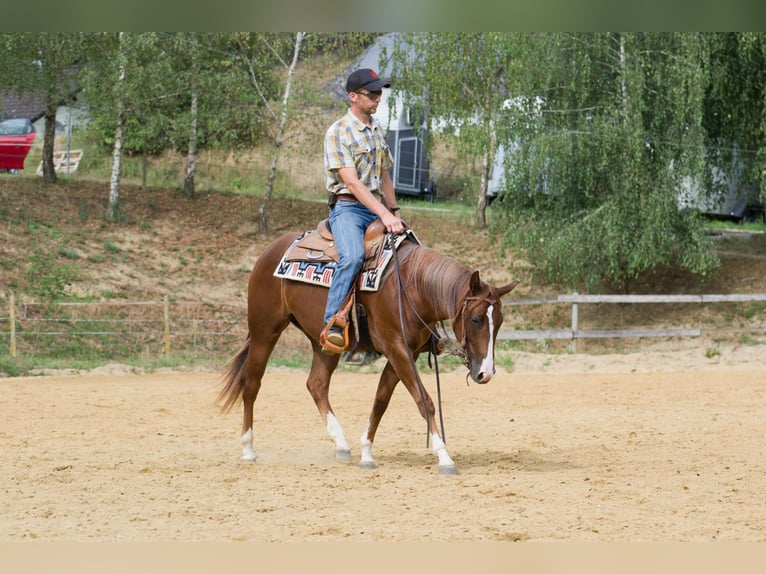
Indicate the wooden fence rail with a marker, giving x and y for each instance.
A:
(166, 320)
(575, 300)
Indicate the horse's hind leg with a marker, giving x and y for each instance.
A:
(257, 358)
(318, 384)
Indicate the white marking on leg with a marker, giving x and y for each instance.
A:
(247, 445)
(366, 458)
(336, 432)
(440, 449)
(488, 364)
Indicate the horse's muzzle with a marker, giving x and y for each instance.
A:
(481, 370)
(481, 377)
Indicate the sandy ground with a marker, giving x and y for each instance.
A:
(641, 447)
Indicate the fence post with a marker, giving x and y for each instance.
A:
(12, 321)
(575, 319)
(167, 328)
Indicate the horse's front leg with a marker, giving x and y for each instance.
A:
(446, 464)
(318, 385)
(426, 407)
(388, 380)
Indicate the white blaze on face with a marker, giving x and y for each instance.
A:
(488, 364)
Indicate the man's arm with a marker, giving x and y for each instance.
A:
(365, 196)
(389, 195)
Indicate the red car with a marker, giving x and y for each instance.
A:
(16, 138)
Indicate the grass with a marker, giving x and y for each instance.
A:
(752, 227)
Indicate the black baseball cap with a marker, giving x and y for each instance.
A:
(365, 78)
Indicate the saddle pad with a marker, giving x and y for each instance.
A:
(321, 272)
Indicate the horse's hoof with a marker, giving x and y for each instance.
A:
(343, 456)
(368, 465)
(448, 469)
(248, 457)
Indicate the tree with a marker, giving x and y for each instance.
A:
(592, 184)
(735, 103)
(45, 65)
(114, 183)
(279, 135)
(183, 91)
(127, 84)
(191, 162)
(463, 79)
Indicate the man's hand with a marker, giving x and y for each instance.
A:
(393, 223)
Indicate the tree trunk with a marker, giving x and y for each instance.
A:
(144, 166)
(191, 165)
(191, 162)
(623, 81)
(486, 168)
(481, 206)
(262, 219)
(114, 184)
(49, 142)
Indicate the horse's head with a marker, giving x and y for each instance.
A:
(478, 320)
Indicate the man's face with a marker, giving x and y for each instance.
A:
(365, 100)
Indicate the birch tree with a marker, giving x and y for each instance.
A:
(191, 158)
(279, 135)
(114, 181)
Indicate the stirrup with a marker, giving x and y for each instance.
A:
(327, 345)
(340, 319)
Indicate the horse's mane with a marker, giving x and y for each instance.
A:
(440, 276)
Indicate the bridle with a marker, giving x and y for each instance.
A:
(490, 300)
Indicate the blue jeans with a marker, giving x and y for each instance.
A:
(348, 220)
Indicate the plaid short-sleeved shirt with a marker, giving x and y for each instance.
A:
(350, 143)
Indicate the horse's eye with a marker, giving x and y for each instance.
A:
(476, 320)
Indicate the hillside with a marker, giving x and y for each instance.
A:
(201, 250)
(195, 249)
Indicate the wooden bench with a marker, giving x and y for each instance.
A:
(60, 160)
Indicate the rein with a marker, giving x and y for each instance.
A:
(462, 352)
(434, 338)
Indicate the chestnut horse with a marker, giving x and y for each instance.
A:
(401, 323)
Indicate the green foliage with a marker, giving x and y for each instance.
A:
(110, 247)
(593, 177)
(600, 129)
(462, 78)
(46, 278)
(712, 352)
(162, 69)
(735, 102)
(611, 245)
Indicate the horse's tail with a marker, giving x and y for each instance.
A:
(233, 379)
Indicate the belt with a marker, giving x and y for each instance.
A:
(350, 197)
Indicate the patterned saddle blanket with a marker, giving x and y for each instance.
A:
(312, 257)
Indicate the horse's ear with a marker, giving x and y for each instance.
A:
(505, 289)
(475, 284)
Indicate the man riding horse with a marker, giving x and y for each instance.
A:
(401, 311)
(356, 159)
